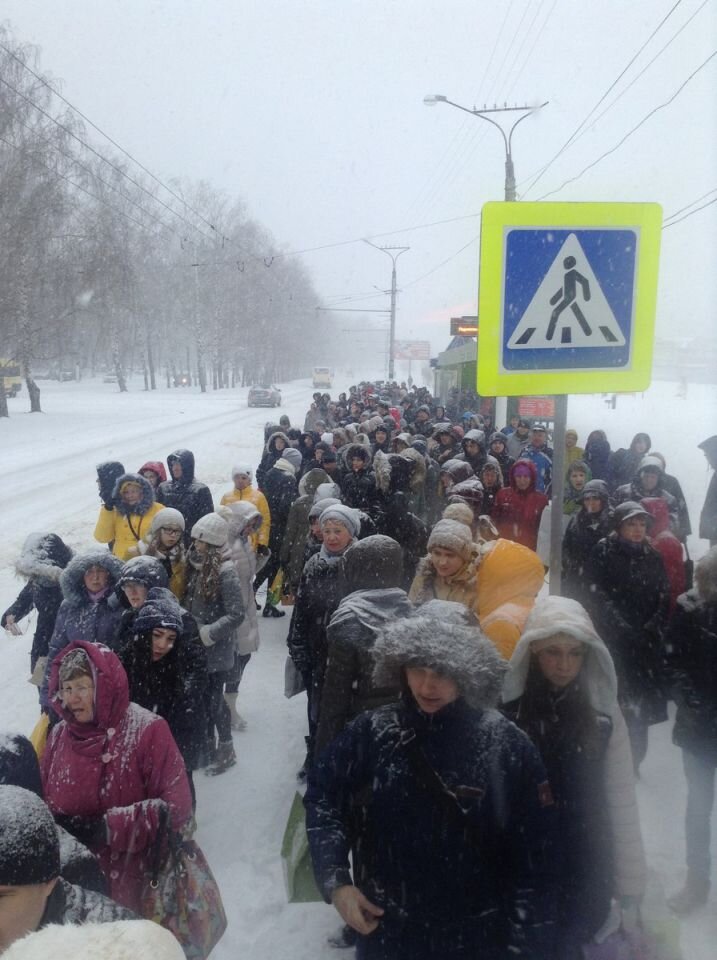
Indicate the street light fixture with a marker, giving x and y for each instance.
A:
(394, 257)
(431, 99)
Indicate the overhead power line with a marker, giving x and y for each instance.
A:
(687, 206)
(612, 86)
(114, 143)
(637, 126)
(690, 214)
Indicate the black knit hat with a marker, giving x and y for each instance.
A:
(159, 611)
(29, 847)
(19, 766)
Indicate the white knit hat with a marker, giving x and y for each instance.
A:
(293, 456)
(452, 535)
(211, 529)
(285, 467)
(167, 517)
(241, 470)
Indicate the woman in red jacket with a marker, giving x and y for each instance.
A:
(110, 767)
(518, 508)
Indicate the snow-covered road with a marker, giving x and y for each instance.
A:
(48, 483)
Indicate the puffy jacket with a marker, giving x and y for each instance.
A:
(124, 526)
(80, 617)
(122, 768)
(517, 512)
(509, 579)
(667, 545)
(257, 499)
(281, 490)
(192, 498)
(541, 458)
(349, 688)
(218, 617)
(42, 560)
(443, 895)
(244, 517)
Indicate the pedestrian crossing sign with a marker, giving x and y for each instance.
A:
(567, 297)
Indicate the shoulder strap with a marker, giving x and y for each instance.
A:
(157, 847)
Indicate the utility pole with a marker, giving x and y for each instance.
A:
(392, 332)
(526, 110)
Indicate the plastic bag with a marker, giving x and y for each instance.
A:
(298, 870)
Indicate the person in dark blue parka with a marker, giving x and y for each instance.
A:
(455, 809)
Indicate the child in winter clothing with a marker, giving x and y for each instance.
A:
(165, 542)
(244, 491)
(214, 598)
(518, 508)
(561, 690)
(448, 572)
(42, 560)
(128, 519)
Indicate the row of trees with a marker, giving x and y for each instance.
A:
(103, 269)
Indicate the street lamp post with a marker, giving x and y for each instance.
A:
(392, 333)
(432, 99)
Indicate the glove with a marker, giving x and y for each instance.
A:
(92, 831)
(205, 636)
(11, 626)
(108, 504)
(262, 550)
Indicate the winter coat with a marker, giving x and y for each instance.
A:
(321, 589)
(516, 444)
(597, 454)
(257, 499)
(156, 466)
(623, 463)
(445, 895)
(667, 545)
(358, 488)
(270, 456)
(79, 616)
(691, 674)
(708, 514)
(585, 530)
(297, 528)
(428, 585)
(281, 490)
(477, 461)
(505, 460)
(43, 558)
(192, 498)
(598, 847)
(572, 497)
(510, 577)
(124, 526)
(395, 520)
(71, 904)
(121, 768)
(672, 486)
(636, 492)
(242, 555)
(542, 459)
(173, 688)
(349, 688)
(517, 513)
(218, 617)
(629, 596)
(490, 493)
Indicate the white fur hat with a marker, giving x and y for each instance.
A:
(242, 470)
(119, 940)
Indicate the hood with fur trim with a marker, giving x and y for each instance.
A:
(273, 437)
(461, 653)
(553, 615)
(72, 578)
(242, 518)
(146, 501)
(118, 940)
(43, 555)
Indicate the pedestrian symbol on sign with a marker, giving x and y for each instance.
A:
(569, 308)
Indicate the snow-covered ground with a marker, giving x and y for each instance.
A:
(48, 483)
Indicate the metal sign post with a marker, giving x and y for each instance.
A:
(556, 510)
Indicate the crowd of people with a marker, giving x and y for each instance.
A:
(471, 743)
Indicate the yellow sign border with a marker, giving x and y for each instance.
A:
(495, 216)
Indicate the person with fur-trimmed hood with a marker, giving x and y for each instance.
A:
(590, 524)
(439, 763)
(276, 443)
(192, 498)
(691, 670)
(167, 674)
(373, 573)
(561, 689)
(448, 572)
(86, 612)
(42, 559)
(628, 599)
(125, 523)
(445, 444)
(358, 485)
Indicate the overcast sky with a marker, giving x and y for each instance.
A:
(311, 111)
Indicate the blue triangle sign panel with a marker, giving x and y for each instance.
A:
(568, 298)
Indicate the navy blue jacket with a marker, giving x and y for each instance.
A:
(416, 860)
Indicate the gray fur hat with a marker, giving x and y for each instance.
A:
(461, 653)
